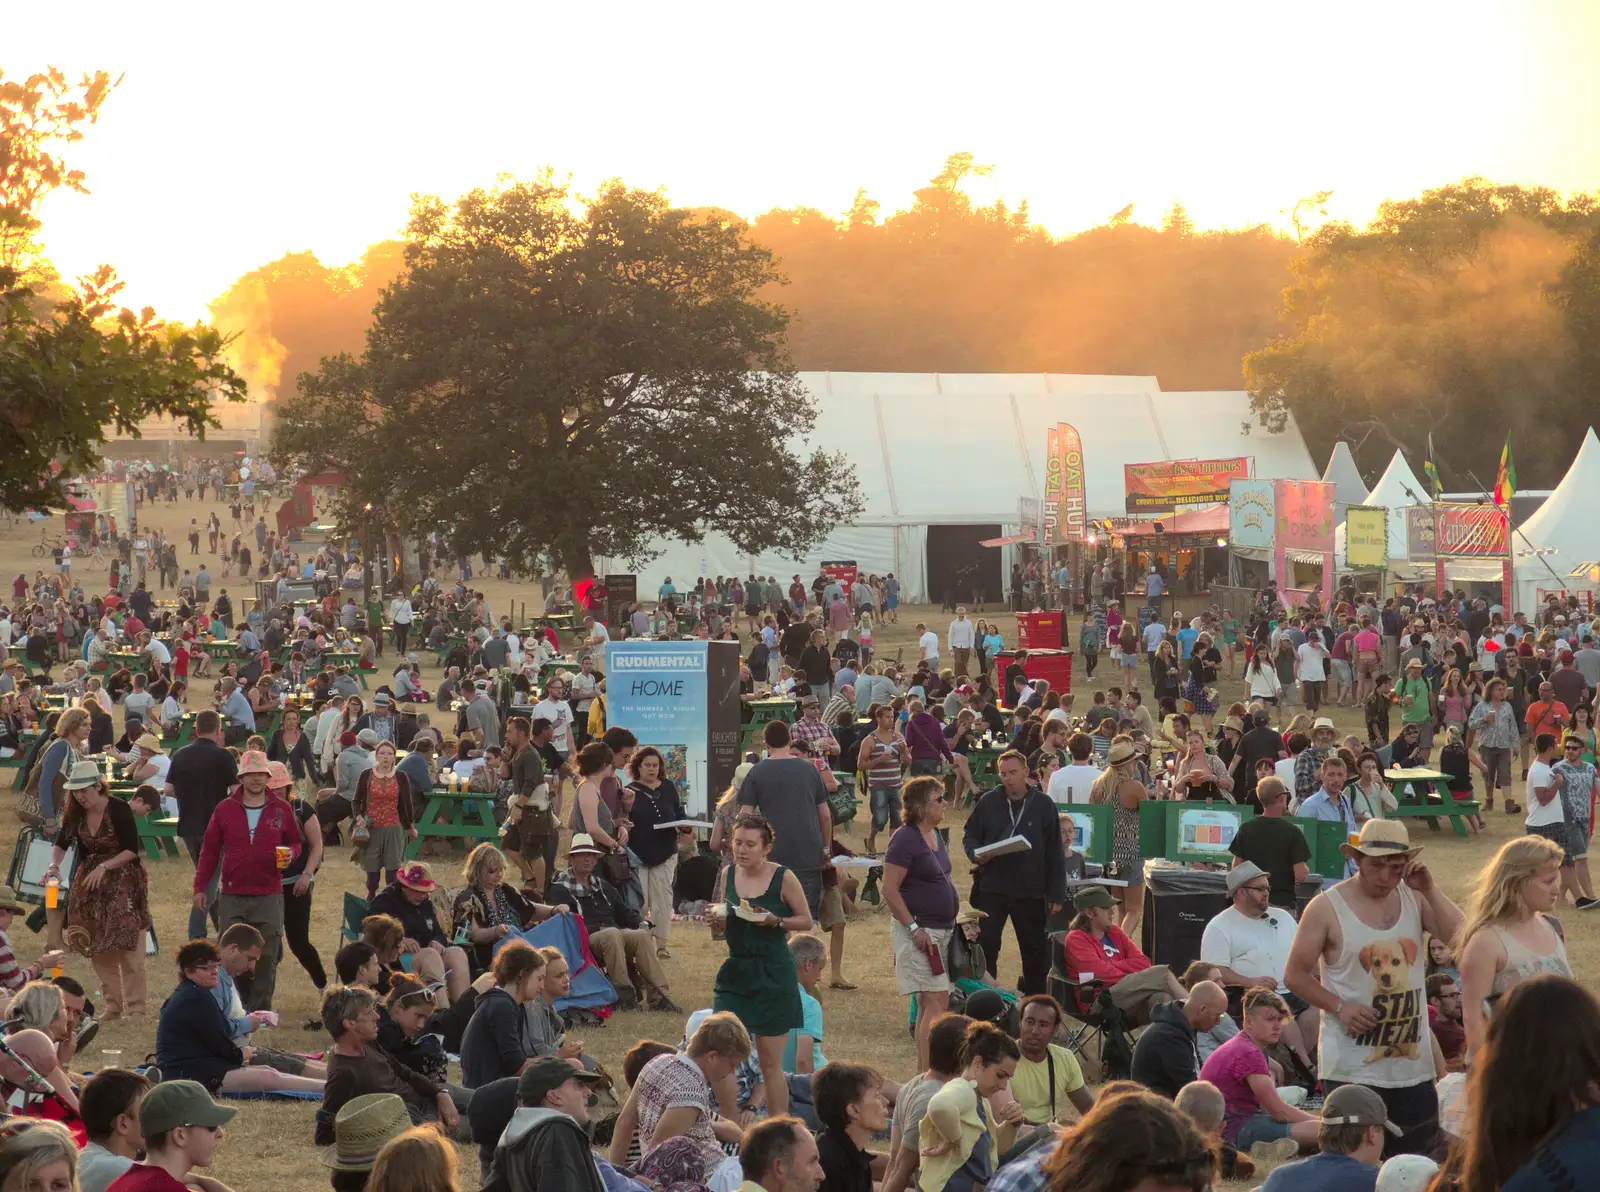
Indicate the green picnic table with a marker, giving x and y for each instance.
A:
(561, 620)
(134, 660)
(458, 816)
(156, 834)
(349, 658)
(220, 649)
(764, 710)
(982, 761)
(1425, 794)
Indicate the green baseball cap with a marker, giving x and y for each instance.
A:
(175, 1103)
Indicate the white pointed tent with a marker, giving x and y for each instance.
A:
(1342, 473)
(1565, 530)
(1396, 489)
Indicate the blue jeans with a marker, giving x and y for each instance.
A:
(1260, 1127)
(885, 804)
(197, 919)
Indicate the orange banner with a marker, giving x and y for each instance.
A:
(1179, 484)
(1065, 503)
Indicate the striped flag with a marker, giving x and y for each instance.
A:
(1505, 481)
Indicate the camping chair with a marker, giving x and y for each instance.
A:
(355, 910)
(1102, 1021)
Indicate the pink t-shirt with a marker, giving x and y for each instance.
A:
(1229, 1067)
(1367, 639)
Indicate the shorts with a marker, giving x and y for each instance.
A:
(1366, 668)
(1260, 1127)
(831, 911)
(911, 971)
(1562, 834)
(1414, 1109)
(885, 804)
(1341, 671)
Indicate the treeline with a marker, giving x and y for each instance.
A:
(1468, 311)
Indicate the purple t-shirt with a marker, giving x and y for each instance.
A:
(1229, 1067)
(929, 893)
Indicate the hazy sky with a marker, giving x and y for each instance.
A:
(243, 131)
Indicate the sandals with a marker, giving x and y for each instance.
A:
(841, 983)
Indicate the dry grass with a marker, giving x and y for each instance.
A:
(270, 1143)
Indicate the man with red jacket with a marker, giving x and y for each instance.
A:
(1097, 949)
(247, 829)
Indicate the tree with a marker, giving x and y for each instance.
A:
(1177, 221)
(1454, 313)
(570, 379)
(73, 363)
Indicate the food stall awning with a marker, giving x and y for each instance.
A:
(1192, 527)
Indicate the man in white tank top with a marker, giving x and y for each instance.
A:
(1358, 956)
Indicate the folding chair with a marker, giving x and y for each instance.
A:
(355, 910)
(1101, 1022)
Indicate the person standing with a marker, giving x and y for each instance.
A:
(961, 640)
(1274, 844)
(201, 776)
(400, 616)
(1330, 802)
(109, 910)
(655, 802)
(1025, 885)
(298, 877)
(1580, 786)
(788, 791)
(1493, 726)
(923, 901)
(1311, 668)
(758, 981)
(882, 757)
(1359, 957)
(383, 800)
(246, 837)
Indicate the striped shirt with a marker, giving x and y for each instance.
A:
(883, 763)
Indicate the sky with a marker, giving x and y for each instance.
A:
(241, 132)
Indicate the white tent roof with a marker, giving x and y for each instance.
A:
(1565, 527)
(1342, 473)
(960, 448)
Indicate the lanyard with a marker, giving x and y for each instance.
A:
(1017, 814)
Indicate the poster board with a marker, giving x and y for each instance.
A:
(1179, 830)
(1252, 513)
(1092, 824)
(1366, 537)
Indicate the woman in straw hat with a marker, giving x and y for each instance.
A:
(360, 1130)
(109, 911)
(1120, 786)
(1509, 933)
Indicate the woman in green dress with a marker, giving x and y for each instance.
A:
(758, 982)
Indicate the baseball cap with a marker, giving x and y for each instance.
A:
(548, 1074)
(1093, 896)
(1356, 1105)
(1406, 1173)
(1243, 873)
(174, 1103)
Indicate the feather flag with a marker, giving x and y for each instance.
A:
(1431, 470)
(1505, 480)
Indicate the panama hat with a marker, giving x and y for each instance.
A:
(1381, 838)
(582, 842)
(84, 774)
(149, 742)
(361, 1128)
(1122, 751)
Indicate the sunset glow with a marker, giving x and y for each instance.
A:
(242, 132)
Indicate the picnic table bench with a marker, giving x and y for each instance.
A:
(461, 817)
(156, 834)
(1425, 794)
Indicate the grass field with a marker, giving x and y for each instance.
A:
(269, 1146)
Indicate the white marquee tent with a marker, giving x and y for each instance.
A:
(1564, 530)
(955, 452)
(1396, 489)
(1342, 473)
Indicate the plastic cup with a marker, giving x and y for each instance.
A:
(111, 1057)
(284, 856)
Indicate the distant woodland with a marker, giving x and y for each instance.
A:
(1469, 311)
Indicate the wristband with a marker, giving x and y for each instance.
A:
(1338, 1008)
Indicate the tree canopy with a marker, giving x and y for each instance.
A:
(1467, 313)
(555, 377)
(72, 362)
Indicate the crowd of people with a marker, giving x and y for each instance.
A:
(1358, 1038)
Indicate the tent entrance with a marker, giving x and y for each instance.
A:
(959, 570)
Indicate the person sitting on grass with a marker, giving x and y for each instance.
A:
(672, 1097)
(182, 1126)
(358, 964)
(1256, 1111)
(499, 1040)
(1350, 1141)
(356, 1066)
(545, 1147)
(195, 1042)
(408, 900)
(360, 1131)
(414, 1031)
(240, 947)
(548, 1030)
(110, 1105)
(1203, 1102)
(849, 1102)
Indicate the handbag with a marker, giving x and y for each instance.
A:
(615, 869)
(963, 957)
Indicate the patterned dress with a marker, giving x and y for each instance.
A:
(116, 913)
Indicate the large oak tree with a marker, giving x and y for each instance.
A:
(555, 378)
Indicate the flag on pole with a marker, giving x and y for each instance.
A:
(1431, 471)
(1505, 481)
